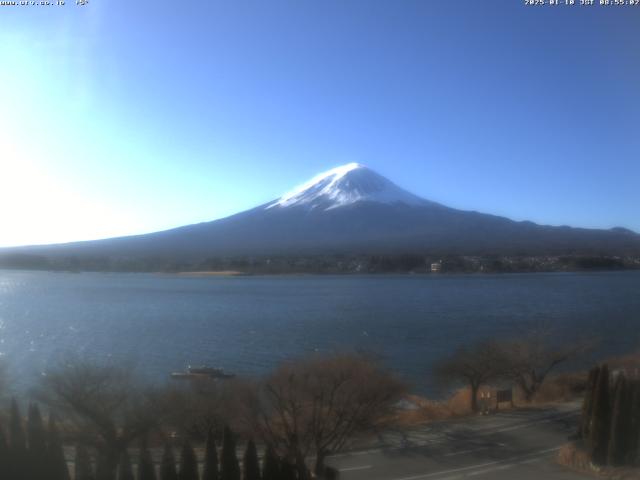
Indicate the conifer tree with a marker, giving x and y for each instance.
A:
(36, 434)
(56, 463)
(16, 432)
(230, 467)
(36, 444)
(270, 465)
(125, 470)
(629, 428)
(287, 471)
(600, 419)
(617, 436)
(82, 467)
(146, 470)
(587, 403)
(18, 462)
(168, 465)
(103, 467)
(188, 463)
(250, 462)
(634, 424)
(210, 471)
(4, 455)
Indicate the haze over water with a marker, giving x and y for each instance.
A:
(247, 325)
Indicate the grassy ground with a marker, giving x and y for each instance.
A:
(559, 388)
(575, 457)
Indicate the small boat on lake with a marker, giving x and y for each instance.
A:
(202, 371)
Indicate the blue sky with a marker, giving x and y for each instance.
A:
(124, 117)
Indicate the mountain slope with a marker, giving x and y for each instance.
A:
(353, 210)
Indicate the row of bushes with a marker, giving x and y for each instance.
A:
(36, 453)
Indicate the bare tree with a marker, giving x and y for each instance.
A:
(318, 405)
(527, 361)
(205, 406)
(103, 403)
(476, 365)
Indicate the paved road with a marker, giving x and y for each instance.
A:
(511, 445)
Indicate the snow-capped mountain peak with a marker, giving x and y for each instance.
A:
(343, 186)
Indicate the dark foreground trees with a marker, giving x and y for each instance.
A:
(55, 453)
(250, 463)
(270, 465)
(210, 469)
(188, 463)
(610, 424)
(587, 404)
(229, 468)
(146, 469)
(37, 455)
(83, 468)
(168, 469)
(125, 470)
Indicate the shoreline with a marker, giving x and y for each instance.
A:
(238, 273)
(207, 273)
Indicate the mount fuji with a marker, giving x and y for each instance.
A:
(351, 210)
(346, 185)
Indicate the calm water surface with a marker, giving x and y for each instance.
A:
(247, 325)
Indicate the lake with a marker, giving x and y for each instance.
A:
(247, 325)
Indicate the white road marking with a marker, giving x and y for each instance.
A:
(351, 469)
(462, 452)
(359, 452)
(489, 470)
(517, 427)
(529, 461)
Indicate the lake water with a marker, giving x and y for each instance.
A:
(162, 323)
